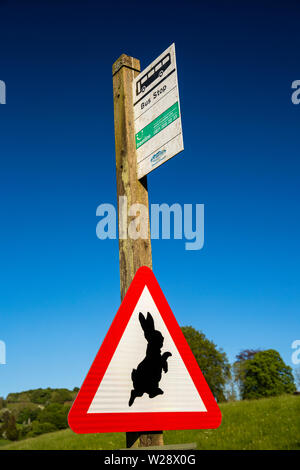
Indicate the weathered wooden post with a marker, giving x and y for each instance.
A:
(132, 253)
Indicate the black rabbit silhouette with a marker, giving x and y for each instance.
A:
(147, 375)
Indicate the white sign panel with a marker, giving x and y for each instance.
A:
(157, 118)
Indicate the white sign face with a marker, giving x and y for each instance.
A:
(157, 118)
(179, 392)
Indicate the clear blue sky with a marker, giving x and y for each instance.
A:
(59, 284)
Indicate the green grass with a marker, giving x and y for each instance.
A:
(266, 424)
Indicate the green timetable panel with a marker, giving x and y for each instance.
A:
(157, 125)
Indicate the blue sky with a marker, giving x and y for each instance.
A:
(59, 284)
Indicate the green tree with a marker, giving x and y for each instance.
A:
(28, 413)
(12, 397)
(41, 396)
(230, 390)
(9, 428)
(11, 432)
(238, 367)
(61, 396)
(213, 362)
(264, 375)
(55, 414)
(297, 376)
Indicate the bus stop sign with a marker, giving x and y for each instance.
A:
(157, 118)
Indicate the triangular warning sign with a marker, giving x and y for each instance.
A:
(144, 377)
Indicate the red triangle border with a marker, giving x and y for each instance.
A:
(82, 422)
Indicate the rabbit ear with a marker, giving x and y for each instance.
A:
(150, 322)
(147, 324)
(143, 321)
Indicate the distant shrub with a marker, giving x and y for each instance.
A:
(38, 428)
(55, 414)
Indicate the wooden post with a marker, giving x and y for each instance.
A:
(132, 253)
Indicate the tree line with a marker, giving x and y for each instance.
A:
(254, 374)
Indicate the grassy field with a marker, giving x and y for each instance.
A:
(265, 424)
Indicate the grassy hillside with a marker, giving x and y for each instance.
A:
(271, 423)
